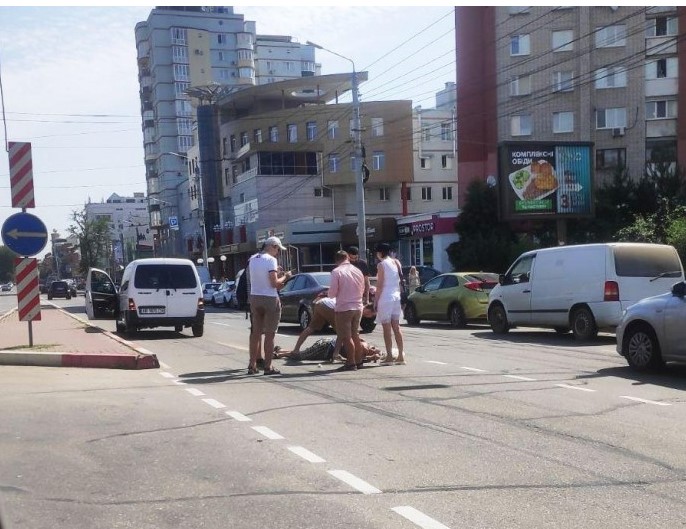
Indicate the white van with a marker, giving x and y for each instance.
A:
(584, 288)
(157, 292)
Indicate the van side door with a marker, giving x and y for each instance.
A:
(516, 290)
(101, 296)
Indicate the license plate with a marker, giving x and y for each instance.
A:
(152, 310)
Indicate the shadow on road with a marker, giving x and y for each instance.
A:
(544, 337)
(673, 376)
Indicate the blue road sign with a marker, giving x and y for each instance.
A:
(174, 222)
(24, 234)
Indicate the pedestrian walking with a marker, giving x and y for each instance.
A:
(347, 286)
(413, 279)
(265, 306)
(362, 266)
(387, 302)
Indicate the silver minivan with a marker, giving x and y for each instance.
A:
(583, 288)
(155, 292)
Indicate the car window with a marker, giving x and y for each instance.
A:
(300, 283)
(521, 270)
(101, 283)
(289, 285)
(646, 261)
(164, 276)
(323, 279)
(434, 284)
(449, 282)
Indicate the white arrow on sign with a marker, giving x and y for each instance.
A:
(15, 233)
(572, 187)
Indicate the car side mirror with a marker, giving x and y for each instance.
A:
(420, 288)
(679, 289)
(501, 279)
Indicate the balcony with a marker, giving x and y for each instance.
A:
(242, 151)
(660, 46)
(247, 175)
(662, 87)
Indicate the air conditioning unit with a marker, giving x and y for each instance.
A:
(618, 132)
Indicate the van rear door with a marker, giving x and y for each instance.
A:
(183, 291)
(166, 290)
(645, 270)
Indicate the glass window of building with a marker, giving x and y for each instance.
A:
(563, 121)
(520, 85)
(378, 160)
(448, 193)
(662, 68)
(610, 36)
(332, 129)
(384, 194)
(563, 81)
(563, 40)
(610, 158)
(612, 77)
(311, 129)
(377, 127)
(292, 131)
(244, 138)
(273, 134)
(447, 131)
(426, 193)
(521, 125)
(661, 109)
(334, 162)
(519, 45)
(446, 161)
(257, 135)
(610, 118)
(662, 27)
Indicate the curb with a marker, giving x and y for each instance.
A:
(52, 359)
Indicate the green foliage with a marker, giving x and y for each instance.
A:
(6, 264)
(94, 236)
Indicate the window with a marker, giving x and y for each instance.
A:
(222, 39)
(185, 143)
(178, 36)
(520, 86)
(289, 66)
(384, 194)
(292, 131)
(245, 55)
(609, 118)
(425, 163)
(562, 81)
(184, 108)
(233, 143)
(377, 127)
(221, 56)
(610, 77)
(257, 135)
(244, 138)
(311, 127)
(408, 193)
(184, 126)
(519, 45)
(563, 40)
(563, 121)
(426, 193)
(610, 158)
(448, 193)
(322, 192)
(662, 27)
(426, 133)
(273, 134)
(520, 125)
(180, 88)
(334, 162)
(663, 68)
(225, 147)
(180, 54)
(447, 131)
(661, 151)
(665, 109)
(332, 129)
(224, 74)
(610, 36)
(378, 160)
(446, 161)
(181, 72)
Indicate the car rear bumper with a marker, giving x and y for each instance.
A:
(133, 319)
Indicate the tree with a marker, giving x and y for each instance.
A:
(485, 243)
(6, 264)
(94, 239)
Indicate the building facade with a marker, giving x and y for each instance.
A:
(605, 75)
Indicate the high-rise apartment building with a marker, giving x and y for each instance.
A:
(605, 75)
(181, 48)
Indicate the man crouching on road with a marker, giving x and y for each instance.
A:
(347, 286)
(265, 306)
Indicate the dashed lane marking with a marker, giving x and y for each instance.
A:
(166, 375)
(474, 369)
(267, 432)
(164, 366)
(306, 454)
(517, 377)
(645, 401)
(578, 388)
(214, 403)
(354, 482)
(238, 416)
(195, 392)
(419, 518)
(436, 362)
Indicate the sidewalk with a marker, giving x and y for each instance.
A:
(61, 339)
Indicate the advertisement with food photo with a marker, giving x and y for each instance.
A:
(542, 179)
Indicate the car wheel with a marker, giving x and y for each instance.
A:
(198, 329)
(562, 330)
(178, 328)
(583, 324)
(411, 314)
(456, 316)
(497, 317)
(367, 324)
(304, 318)
(641, 348)
(68, 296)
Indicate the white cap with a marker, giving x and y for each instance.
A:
(274, 241)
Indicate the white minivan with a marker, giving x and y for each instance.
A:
(154, 292)
(583, 288)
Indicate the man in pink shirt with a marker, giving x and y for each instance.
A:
(347, 286)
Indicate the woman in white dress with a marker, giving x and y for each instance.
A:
(387, 302)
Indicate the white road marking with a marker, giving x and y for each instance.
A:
(419, 518)
(268, 433)
(214, 403)
(306, 454)
(354, 482)
(435, 362)
(166, 375)
(578, 388)
(195, 392)
(238, 416)
(164, 366)
(517, 377)
(233, 346)
(474, 369)
(646, 401)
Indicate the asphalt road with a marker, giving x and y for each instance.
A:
(533, 430)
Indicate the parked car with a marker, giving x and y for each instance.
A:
(425, 273)
(299, 292)
(458, 297)
(209, 290)
(6, 287)
(652, 331)
(59, 289)
(224, 296)
(583, 288)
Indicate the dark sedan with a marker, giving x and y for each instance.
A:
(299, 292)
(59, 289)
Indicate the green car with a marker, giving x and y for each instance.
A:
(458, 297)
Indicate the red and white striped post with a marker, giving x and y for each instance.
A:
(21, 175)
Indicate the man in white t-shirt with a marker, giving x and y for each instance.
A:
(265, 306)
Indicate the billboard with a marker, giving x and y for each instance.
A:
(546, 180)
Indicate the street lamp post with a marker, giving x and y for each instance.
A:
(359, 177)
